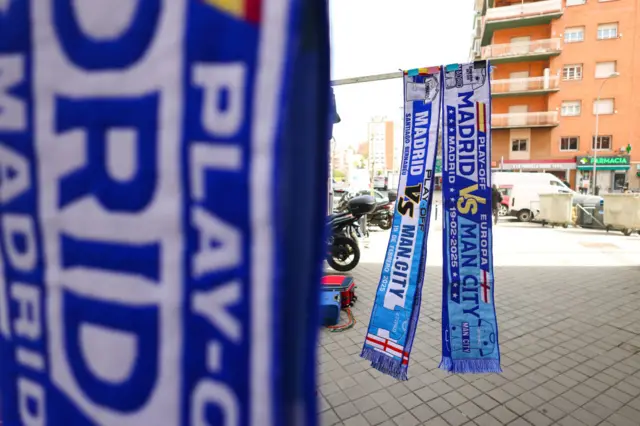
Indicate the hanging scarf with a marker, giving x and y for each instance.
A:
(469, 327)
(140, 152)
(397, 303)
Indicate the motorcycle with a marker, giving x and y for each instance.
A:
(343, 253)
(381, 217)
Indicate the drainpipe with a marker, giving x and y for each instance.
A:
(596, 142)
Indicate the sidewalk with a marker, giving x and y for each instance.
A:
(568, 305)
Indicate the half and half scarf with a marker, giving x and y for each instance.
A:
(469, 326)
(397, 303)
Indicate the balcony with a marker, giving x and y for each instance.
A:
(525, 86)
(525, 51)
(520, 15)
(524, 120)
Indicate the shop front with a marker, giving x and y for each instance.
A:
(560, 168)
(612, 172)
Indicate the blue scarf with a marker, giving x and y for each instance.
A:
(143, 259)
(397, 303)
(469, 326)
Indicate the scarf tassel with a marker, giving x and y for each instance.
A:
(384, 363)
(472, 366)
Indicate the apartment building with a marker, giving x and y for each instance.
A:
(561, 68)
(381, 144)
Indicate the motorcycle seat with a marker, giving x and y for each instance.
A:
(337, 215)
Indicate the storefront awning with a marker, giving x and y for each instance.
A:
(599, 167)
(622, 162)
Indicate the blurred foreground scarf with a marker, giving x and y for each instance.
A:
(142, 151)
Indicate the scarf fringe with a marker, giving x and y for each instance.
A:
(385, 364)
(473, 366)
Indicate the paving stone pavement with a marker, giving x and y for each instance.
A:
(569, 337)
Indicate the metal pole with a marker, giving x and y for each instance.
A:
(596, 142)
(368, 78)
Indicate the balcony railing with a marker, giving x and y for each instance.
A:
(528, 48)
(523, 85)
(524, 10)
(524, 119)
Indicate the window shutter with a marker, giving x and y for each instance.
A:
(605, 106)
(605, 69)
(608, 26)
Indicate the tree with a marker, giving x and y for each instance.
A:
(338, 174)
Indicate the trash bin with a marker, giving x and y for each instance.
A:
(555, 209)
(591, 215)
(622, 212)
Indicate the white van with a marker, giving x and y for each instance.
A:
(521, 191)
(524, 199)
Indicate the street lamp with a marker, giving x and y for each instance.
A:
(595, 148)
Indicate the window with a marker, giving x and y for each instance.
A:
(572, 72)
(571, 108)
(607, 31)
(574, 34)
(603, 106)
(569, 143)
(619, 180)
(575, 2)
(519, 145)
(605, 69)
(604, 143)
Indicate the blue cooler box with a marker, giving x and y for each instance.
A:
(330, 304)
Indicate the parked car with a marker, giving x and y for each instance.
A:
(505, 191)
(380, 182)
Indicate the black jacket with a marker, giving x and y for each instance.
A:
(496, 198)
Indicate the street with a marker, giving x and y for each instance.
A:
(569, 320)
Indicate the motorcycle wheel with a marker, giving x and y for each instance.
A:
(343, 250)
(385, 224)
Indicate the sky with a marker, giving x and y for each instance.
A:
(382, 36)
